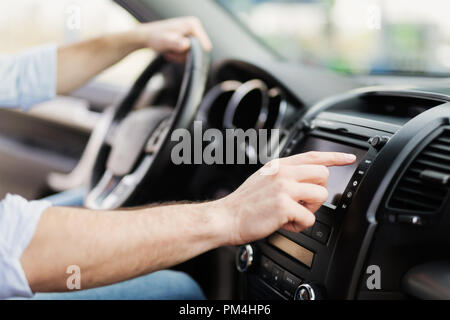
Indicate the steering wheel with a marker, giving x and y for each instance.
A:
(135, 144)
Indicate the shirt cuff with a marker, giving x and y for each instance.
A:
(18, 222)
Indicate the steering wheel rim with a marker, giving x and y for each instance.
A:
(114, 178)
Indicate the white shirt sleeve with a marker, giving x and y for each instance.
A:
(18, 222)
(29, 77)
(25, 79)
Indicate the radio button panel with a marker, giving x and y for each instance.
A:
(356, 180)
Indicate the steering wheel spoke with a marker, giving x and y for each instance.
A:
(158, 136)
(136, 145)
(112, 133)
(112, 191)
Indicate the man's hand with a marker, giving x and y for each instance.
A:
(170, 37)
(287, 199)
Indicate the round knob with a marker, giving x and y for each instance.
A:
(308, 291)
(244, 258)
(378, 141)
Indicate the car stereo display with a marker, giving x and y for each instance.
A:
(339, 176)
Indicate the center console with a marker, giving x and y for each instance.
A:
(290, 265)
(390, 202)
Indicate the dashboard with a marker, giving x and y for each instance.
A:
(385, 215)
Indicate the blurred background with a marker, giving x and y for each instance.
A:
(349, 36)
(354, 36)
(28, 23)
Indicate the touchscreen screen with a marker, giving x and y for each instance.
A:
(339, 176)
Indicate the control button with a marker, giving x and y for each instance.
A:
(266, 269)
(307, 291)
(277, 275)
(344, 206)
(321, 232)
(407, 219)
(364, 165)
(355, 183)
(266, 276)
(374, 141)
(290, 284)
(244, 258)
(384, 140)
(266, 263)
(349, 195)
(378, 141)
(307, 231)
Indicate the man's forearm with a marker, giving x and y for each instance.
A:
(111, 246)
(79, 62)
(114, 246)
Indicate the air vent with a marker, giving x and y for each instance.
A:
(344, 133)
(424, 186)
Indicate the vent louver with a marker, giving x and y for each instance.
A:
(423, 188)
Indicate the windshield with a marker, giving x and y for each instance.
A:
(409, 37)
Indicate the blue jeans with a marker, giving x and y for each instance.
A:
(161, 285)
(71, 198)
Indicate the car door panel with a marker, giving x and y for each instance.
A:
(34, 144)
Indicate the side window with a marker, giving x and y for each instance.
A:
(27, 23)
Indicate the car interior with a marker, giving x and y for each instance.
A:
(385, 215)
